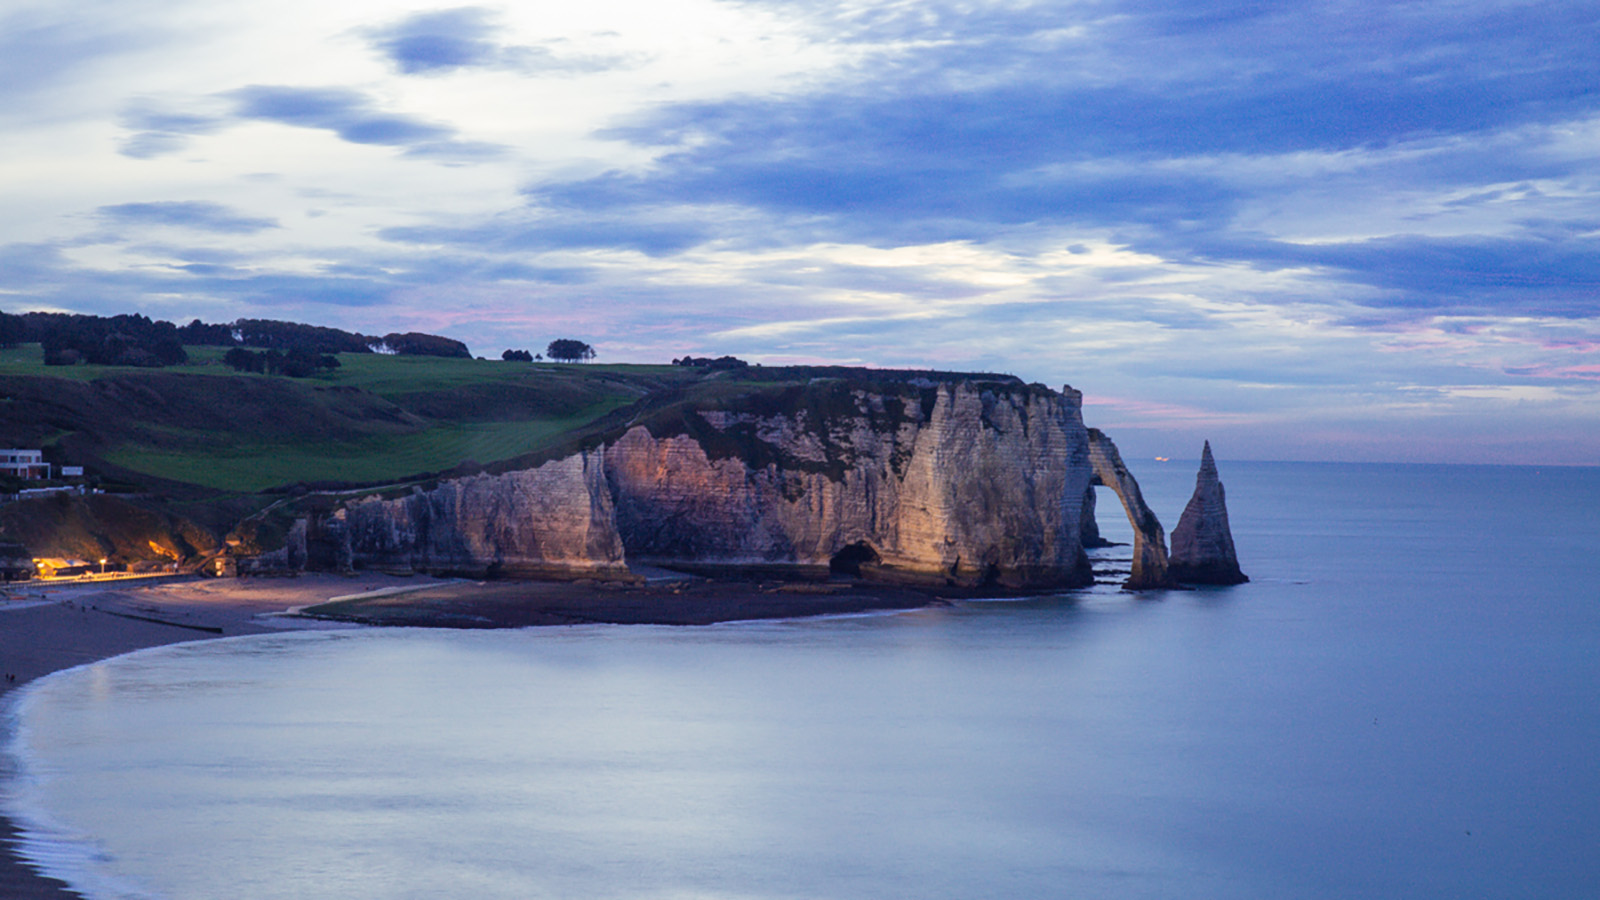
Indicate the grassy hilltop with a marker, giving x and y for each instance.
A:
(196, 452)
(376, 418)
(201, 429)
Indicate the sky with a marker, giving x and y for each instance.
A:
(1345, 231)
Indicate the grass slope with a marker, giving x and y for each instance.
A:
(196, 430)
(375, 419)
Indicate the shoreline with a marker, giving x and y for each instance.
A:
(48, 627)
(678, 601)
(45, 628)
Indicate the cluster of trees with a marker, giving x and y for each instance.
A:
(415, 343)
(13, 330)
(296, 363)
(135, 340)
(285, 336)
(291, 348)
(69, 339)
(562, 350)
(706, 362)
(568, 350)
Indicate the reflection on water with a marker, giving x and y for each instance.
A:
(1387, 710)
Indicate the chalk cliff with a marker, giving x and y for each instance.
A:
(554, 520)
(1202, 544)
(971, 481)
(962, 482)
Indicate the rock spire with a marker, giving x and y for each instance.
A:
(1202, 544)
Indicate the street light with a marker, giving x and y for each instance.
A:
(102, 565)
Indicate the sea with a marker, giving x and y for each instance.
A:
(1404, 702)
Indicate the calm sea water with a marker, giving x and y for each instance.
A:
(1405, 702)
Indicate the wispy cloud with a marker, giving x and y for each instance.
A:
(1285, 221)
(213, 217)
(442, 41)
(354, 117)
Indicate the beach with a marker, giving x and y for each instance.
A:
(48, 627)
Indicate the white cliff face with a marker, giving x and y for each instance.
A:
(556, 519)
(954, 482)
(1202, 544)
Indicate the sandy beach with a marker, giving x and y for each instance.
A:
(46, 628)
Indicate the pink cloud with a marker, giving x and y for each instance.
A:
(1146, 413)
(1586, 373)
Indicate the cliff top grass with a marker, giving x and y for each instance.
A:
(377, 418)
(202, 428)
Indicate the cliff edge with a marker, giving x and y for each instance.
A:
(975, 482)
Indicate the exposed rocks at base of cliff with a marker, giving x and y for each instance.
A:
(1202, 544)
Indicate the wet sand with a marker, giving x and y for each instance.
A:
(44, 629)
(687, 601)
(47, 628)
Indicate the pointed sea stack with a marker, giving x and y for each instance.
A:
(1202, 544)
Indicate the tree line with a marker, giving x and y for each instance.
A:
(560, 350)
(136, 340)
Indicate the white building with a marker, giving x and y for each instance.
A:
(24, 464)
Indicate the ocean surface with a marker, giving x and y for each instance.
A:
(1404, 702)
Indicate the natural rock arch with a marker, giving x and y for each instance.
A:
(1149, 540)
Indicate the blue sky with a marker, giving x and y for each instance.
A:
(1304, 230)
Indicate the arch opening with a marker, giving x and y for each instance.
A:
(849, 560)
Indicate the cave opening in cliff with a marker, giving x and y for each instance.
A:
(849, 560)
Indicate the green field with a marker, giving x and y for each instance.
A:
(256, 466)
(375, 419)
(381, 374)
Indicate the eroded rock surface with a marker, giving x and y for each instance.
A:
(553, 521)
(957, 482)
(1202, 544)
(963, 481)
(1149, 540)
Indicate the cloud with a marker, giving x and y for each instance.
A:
(1547, 275)
(46, 48)
(1267, 137)
(163, 126)
(435, 41)
(513, 234)
(202, 216)
(158, 129)
(42, 276)
(442, 41)
(354, 117)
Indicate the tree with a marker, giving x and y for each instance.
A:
(568, 350)
(12, 330)
(413, 343)
(517, 356)
(243, 360)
